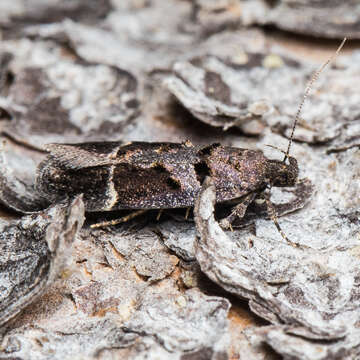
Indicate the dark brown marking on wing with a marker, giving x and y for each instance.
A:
(207, 150)
(92, 182)
(149, 188)
(202, 170)
(173, 183)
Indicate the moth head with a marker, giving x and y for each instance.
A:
(282, 174)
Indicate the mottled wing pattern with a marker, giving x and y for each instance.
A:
(144, 175)
(156, 176)
(113, 176)
(77, 156)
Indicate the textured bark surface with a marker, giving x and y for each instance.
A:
(166, 287)
(324, 18)
(310, 291)
(34, 252)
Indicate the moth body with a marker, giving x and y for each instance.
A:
(141, 175)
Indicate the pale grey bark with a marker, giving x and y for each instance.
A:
(170, 71)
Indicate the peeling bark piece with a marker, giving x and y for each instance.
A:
(67, 102)
(108, 286)
(324, 18)
(332, 114)
(231, 92)
(17, 178)
(21, 13)
(117, 312)
(130, 34)
(207, 96)
(247, 90)
(331, 19)
(307, 287)
(297, 348)
(213, 16)
(144, 251)
(346, 198)
(175, 320)
(82, 337)
(179, 237)
(34, 251)
(105, 337)
(343, 147)
(121, 263)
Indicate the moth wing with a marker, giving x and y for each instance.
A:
(77, 156)
(157, 187)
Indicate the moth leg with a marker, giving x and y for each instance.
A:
(187, 213)
(302, 193)
(159, 214)
(273, 216)
(237, 211)
(120, 220)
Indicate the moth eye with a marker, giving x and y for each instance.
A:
(54, 174)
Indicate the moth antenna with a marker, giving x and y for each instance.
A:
(276, 148)
(306, 93)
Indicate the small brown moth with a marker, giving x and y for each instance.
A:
(142, 176)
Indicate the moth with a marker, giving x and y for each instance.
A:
(141, 176)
